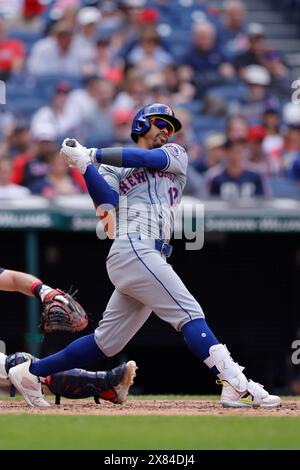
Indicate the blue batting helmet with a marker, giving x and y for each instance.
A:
(141, 123)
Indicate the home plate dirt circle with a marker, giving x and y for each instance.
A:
(148, 407)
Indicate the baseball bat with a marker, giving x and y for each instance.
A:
(71, 143)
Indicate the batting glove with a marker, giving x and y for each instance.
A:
(92, 153)
(75, 154)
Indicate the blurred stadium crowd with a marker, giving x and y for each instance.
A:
(82, 68)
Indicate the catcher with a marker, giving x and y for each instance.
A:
(112, 386)
(61, 312)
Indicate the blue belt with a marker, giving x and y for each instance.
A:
(163, 247)
(159, 245)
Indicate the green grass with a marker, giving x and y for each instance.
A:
(25, 431)
(148, 432)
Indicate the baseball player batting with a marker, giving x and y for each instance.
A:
(149, 177)
(112, 385)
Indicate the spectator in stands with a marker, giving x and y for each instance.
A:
(8, 189)
(31, 169)
(259, 53)
(237, 181)
(214, 105)
(59, 54)
(106, 64)
(58, 181)
(257, 158)
(122, 126)
(93, 106)
(135, 17)
(291, 153)
(64, 120)
(132, 11)
(156, 91)
(134, 91)
(66, 10)
(233, 36)
(12, 53)
(148, 55)
(182, 90)
(83, 101)
(186, 137)
(18, 141)
(7, 124)
(237, 128)
(33, 165)
(111, 22)
(273, 142)
(88, 19)
(171, 78)
(214, 148)
(291, 148)
(29, 19)
(98, 126)
(9, 8)
(271, 117)
(285, 171)
(205, 59)
(252, 107)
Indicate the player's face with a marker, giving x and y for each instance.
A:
(159, 133)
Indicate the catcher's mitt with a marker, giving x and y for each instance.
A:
(62, 313)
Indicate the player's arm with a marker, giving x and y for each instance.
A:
(15, 281)
(171, 157)
(133, 157)
(100, 191)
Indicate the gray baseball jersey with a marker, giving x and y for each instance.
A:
(148, 198)
(143, 280)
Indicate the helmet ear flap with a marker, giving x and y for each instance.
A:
(143, 125)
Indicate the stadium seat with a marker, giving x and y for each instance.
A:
(283, 187)
(93, 140)
(45, 84)
(25, 106)
(26, 37)
(236, 91)
(204, 125)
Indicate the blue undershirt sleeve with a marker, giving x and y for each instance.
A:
(133, 158)
(99, 190)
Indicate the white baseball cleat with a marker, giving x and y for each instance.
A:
(254, 397)
(3, 374)
(123, 387)
(28, 385)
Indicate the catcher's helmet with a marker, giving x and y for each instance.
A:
(141, 123)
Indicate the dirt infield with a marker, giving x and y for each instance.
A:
(149, 407)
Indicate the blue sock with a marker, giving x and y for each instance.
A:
(199, 337)
(77, 354)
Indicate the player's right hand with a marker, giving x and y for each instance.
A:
(77, 155)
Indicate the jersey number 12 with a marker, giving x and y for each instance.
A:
(173, 192)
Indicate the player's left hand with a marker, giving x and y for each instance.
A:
(62, 313)
(76, 154)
